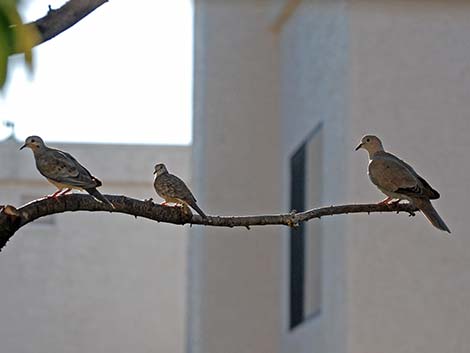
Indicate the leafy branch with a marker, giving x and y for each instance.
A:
(17, 37)
(59, 20)
(12, 219)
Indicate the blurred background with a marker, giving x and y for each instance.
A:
(139, 55)
(258, 106)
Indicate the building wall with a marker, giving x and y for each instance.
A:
(314, 45)
(256, 101)
(235, 282)
(410, 81)
(398, 69)
(93, 282)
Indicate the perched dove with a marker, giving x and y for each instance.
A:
(173, 189)
(398, 180)
(62, 170)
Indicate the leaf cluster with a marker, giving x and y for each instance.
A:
(15, 37)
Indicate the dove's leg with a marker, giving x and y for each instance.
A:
(385, 201)
(55, 195)
(65, 191)
(394, 203)
(59, 193)
(169, 200)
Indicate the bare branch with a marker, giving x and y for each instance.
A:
(12, 219)
(59, 20)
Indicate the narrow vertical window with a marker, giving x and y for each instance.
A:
(297, 239)
(306, 184)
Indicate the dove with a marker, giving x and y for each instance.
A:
(398, 180)
(63, 170)
(173, 189)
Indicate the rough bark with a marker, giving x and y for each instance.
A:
(12, 219)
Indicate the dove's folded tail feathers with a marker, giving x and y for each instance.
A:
(97, 181)
(97, 195)
(431, 214)
(198, 210)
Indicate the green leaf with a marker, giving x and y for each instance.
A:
(5, 46)
(15, 37)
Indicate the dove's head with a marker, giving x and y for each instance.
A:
(160, 169)
(34, 142)
(371, 144)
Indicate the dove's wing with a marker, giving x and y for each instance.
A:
(392, 174)
(172, 186)
(63, 168)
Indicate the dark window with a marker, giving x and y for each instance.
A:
(297, 239)
(306, 167)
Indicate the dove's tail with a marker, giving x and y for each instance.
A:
(431, 214)
(198, 210)
(97, 195)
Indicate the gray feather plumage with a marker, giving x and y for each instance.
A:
(169, 186)
(398, 180)
(393, 175)
(431, 214)
(63, 170)
(61, 167)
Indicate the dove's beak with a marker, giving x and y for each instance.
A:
(154, 172)
(358, 146)
(23, 146)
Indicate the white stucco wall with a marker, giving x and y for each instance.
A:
(395, 68)
(410, 81)
(93, 282)
(256, 100)
(314, 47)
(235, 283)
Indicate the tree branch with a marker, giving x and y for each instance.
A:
(12, 219)
(59, 20)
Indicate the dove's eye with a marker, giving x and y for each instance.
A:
(367, 140)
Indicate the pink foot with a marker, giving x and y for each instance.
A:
(58, 193)
(54, 195)
(66, 191)
(394, 203)
(386, 201)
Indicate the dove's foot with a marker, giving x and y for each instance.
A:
(394, 203)
(386, 201)
(58, 193)
(167, 204)
(54, 195)
(66, 191)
